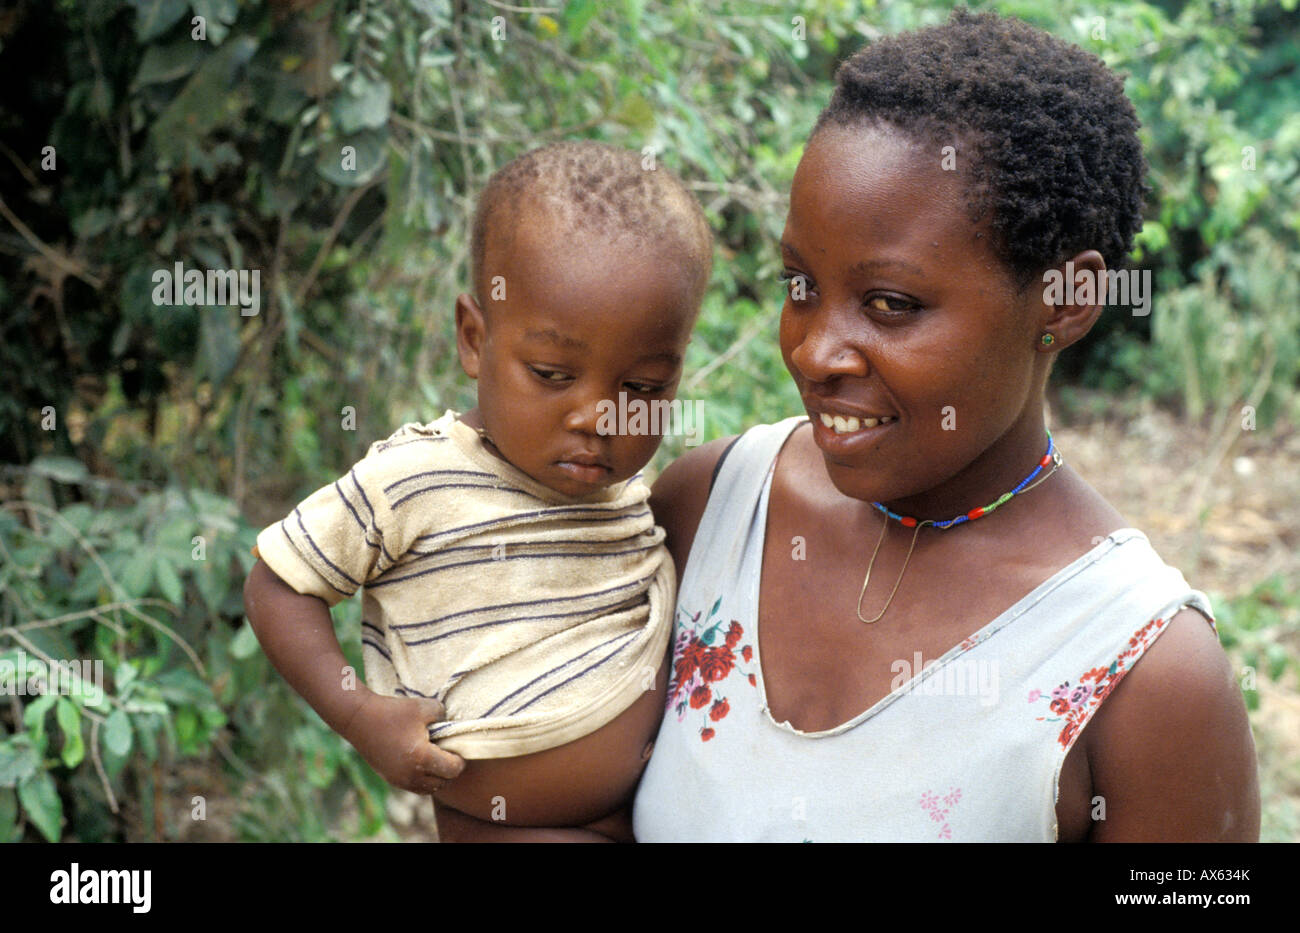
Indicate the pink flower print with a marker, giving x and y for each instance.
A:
(1034, 695)
(1080, 695)
(939, 814)
(1061, 692)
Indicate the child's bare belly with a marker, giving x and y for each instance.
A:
(570, 785)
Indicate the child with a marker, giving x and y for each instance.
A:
(513, 572)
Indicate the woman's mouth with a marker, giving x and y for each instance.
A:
(842, 424)
(848, 435)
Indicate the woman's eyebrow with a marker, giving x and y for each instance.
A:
(866, 267)
(787, 248)
(875, 265)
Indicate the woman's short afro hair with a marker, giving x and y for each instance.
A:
(1043, 126)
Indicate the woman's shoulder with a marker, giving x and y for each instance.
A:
(1171, 751)
(681, 493)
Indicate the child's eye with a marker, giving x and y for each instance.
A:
(645, 388)
(549, 375)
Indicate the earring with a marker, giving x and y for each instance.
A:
(1048, 340)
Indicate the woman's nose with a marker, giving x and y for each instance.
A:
(824, 349)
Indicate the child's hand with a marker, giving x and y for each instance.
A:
(392, 735)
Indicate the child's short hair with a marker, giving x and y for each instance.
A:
(1052, 139)
(599, 189)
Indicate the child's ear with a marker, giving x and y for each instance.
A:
(470, 334)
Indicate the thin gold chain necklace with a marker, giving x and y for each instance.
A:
(1053, 456)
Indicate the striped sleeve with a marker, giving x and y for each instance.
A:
(345, 534)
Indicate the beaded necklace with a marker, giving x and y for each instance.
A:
(1053, 456)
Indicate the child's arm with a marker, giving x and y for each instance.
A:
(391, 733)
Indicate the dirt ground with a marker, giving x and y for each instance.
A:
(1222, 506)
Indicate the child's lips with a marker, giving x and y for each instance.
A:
(585, 469)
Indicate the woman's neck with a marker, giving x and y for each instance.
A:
(998, 470)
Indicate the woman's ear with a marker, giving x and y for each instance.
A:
(1073, 295)
(471, 332)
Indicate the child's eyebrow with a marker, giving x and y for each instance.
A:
(551, 335)
(672, 358)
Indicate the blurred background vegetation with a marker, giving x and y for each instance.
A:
(142, 446)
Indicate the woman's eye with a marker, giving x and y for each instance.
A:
(796, 284)
(890, 304)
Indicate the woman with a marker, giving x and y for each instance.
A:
(898, 615)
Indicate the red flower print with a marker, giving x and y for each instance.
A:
(700, 696)
(753, 682)
(707, 734)
(734, 633)
(690, 660)
(747, 653)
(1075, 705)
(716, 663)
(720, 709)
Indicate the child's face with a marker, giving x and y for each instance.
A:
(908, 315)
(582, 320)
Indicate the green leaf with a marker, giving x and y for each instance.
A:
(370, 157)
(59, 469)
(210, 99)
(18, 761)
(365, 106)
(40, 800)
(217, 16)
(69, 717)
(117, 734)
(154, 17)
(92, 222)
(244, 645)
(218, 341)
(634, 111)
(170, 62)
(187, 726)
(8, 816)
(34, 719)
(137, 575)
(577, 14)
(169, 582)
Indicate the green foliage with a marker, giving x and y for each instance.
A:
(148, 590)
(337, 147)
(1260, 629)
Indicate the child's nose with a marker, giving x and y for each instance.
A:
(584, 415)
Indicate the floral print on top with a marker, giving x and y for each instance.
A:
(938, 808)
(705, 654)
(1075, 703)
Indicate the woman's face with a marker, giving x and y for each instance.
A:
(903, 330)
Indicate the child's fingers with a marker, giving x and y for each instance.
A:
(433, 710)
(446, 765)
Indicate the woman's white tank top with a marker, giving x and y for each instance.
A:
(967, 748)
